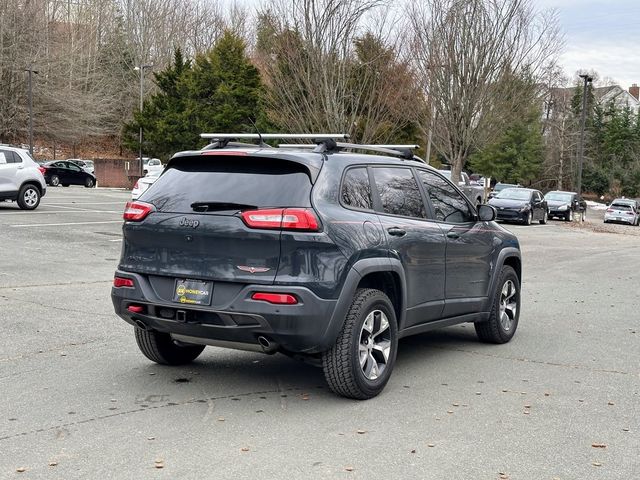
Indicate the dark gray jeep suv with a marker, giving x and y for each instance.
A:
(323, 254)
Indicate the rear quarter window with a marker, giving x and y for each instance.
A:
(262, 182)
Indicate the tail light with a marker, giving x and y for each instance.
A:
(119, 282)
(276, 298)
(136, 185)
(42, 170)
(609, 210)
(137, 211)
(282, 219)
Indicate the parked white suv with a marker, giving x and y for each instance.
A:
(20, 178)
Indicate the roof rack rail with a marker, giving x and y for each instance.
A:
(275, 136)
(403, 151)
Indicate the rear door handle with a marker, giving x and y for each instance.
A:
(397, 232)
(452, 234)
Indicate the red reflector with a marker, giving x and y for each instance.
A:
(137, 211)
(279, 218)
(230, 153)
(135, 308)
(277, 298)
(122, 282)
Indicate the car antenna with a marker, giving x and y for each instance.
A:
(262, 144)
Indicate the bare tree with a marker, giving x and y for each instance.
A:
(467, 52)
(327, 69)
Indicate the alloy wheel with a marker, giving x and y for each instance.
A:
(508, 305)
(374, 348)
(30, 197)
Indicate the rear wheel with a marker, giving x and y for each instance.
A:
(159, 347)
(54, 181)
(360, 362)
(505, 311)
(28, 197)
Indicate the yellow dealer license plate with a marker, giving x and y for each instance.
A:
(193, 292)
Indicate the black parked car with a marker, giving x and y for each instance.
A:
(566, 205)
(65, 173)
(520, 205)
(326, 255)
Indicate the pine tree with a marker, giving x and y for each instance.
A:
(517, 156)
(219, 92)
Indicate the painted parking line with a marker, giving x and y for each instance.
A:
(85, 203)
(51, 212)
(28, 225)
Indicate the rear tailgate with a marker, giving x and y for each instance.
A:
(196, 229)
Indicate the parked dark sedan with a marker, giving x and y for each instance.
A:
(566, 206)
(520, 205)
(66, 173)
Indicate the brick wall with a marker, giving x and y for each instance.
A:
(116, 172)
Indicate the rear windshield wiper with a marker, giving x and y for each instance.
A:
(220, 206)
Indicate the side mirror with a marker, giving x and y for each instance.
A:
(486, 213)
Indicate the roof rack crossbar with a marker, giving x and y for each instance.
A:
(403, 151)
(275, 136)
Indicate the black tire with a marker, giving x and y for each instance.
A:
(493, 330)
(28, 197)
(529, 218)
(159, 347)
(545, 218)
(89, 182)
(341, 363)
(54, 181)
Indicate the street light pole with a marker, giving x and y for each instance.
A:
(30, 101)
(141, 68)
(583, 120)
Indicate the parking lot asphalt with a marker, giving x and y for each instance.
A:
(560, 401)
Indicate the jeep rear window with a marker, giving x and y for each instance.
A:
(263, 182)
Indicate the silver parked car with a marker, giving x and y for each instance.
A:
(21, 178)
(143, 184)
(623, 210)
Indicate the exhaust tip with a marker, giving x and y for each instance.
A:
(141, 325)
(267, 345)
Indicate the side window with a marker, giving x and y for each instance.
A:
(74, 167)
(448, 205)
(4, 156)
(356, 189)
(399, 192)
(16, 157)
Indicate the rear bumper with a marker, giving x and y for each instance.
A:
(303, 327)
(620, 219)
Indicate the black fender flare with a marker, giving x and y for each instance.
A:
(505, 253)
(358, 271)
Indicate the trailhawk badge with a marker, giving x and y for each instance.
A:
(244, 268)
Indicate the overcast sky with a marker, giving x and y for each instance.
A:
(600, 35)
